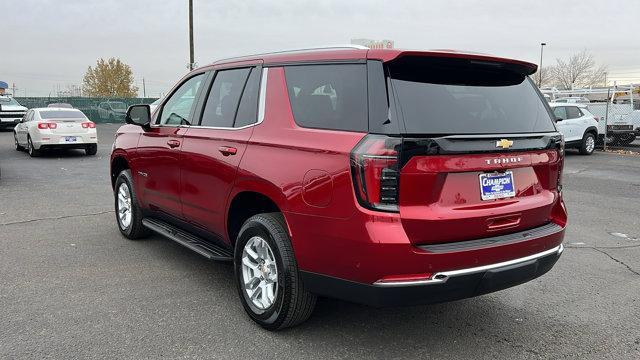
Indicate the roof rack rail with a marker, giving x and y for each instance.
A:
(326, 47)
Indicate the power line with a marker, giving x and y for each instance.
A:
(191, 61)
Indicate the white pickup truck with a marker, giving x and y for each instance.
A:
(10, 112)
(621, 123)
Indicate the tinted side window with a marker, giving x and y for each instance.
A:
(329, 96)
(573, 112)
(560, 112)
(248, 108)
(177, 110)
(222, 101)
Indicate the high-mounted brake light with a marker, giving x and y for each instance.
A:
(89, 125)
(47, 125)
(374, 166)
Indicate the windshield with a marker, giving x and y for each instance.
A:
(8, 101)
(61, 114)
(118, 105)
(446, 97)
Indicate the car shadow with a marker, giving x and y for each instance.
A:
(62, 153)
(451, 327)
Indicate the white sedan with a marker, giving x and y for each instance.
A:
(55, 128)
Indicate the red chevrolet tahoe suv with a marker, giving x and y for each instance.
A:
(383, 177)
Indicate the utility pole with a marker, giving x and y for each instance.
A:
(540, 68)
(144, 89)
(191, 61)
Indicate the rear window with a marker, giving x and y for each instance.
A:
(329, 96)
(61, 114)
(460, 96)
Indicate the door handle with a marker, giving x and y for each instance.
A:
(173, 143)
(227, 150)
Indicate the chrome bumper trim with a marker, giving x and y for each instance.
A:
(443, 276)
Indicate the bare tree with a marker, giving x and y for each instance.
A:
(579, 71)
(544, 76)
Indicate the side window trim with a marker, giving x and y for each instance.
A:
(174, 90)
(261, 98)
(262, 73)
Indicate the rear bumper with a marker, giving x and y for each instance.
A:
(66, 146)
(442, 286)
(57, 141)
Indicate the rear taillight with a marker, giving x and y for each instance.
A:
(47, 125)
(374, 166)
(561, 163)
(89, 125)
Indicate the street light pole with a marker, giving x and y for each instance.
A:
(191, 61)
(540, 68)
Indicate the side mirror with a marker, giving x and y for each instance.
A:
(139, 115)
(558, 118)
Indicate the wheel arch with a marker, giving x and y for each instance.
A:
(118, 163)
(593, 130)
(252, 198)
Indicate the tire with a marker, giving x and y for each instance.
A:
(91, 150)
(30, 149)
(627, 139)
(18, 146)
(588, 144)
(292, 304)
(124, 191)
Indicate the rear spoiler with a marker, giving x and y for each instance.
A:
(517, 66)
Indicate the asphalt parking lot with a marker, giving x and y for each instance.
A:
(72, 287)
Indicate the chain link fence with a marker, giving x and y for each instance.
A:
(98, 110)
(616, 108)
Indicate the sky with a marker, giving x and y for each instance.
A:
(48, 44)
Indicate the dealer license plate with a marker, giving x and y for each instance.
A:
(497, 185)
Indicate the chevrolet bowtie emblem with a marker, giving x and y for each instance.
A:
(504, 143)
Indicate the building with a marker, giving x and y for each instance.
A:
(374, 44)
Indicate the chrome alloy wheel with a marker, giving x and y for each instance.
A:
(590, 144)
(259, 273)
(124, 206)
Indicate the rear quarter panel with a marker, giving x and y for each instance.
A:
(305, 171)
